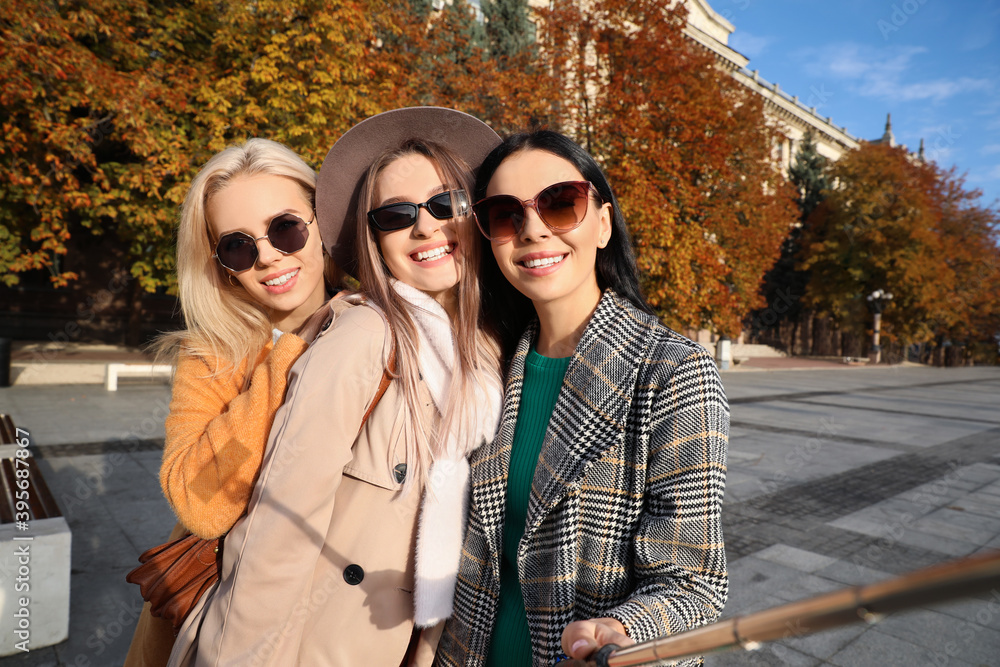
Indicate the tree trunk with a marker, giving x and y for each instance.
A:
(808, 325)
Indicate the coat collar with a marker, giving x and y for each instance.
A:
(594, 403)
(589, 417)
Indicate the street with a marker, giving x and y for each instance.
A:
(836, 478)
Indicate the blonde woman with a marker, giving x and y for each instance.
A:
(250, 270)
(349, 551)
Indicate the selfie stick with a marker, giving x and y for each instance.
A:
(953, 579)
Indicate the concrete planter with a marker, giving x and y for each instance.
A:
(34, 585)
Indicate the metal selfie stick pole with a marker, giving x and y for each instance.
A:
(954, 579)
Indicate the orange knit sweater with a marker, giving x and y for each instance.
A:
(216, 434)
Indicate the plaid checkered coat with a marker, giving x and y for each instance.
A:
(624, 514)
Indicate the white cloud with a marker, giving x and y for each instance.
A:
(848, 60)
(939, 155)
(984, 174)
(990, 111)
(940, 141)
(980, 29)
(749, 45)
(881, 72)
(938, 90)
(992, 149)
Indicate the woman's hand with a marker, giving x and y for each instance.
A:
(581, 638)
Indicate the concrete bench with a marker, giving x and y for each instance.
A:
(114, 371)
(35, 545)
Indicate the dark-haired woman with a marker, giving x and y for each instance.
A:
(595, 513)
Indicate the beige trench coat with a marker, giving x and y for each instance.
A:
(320, 570)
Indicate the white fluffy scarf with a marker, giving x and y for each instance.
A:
(442, 517)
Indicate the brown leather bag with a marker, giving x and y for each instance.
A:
(173, 576)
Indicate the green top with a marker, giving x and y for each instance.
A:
(543, 377)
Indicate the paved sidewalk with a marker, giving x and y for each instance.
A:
(836, 477)
(847, 477)
(796, 363)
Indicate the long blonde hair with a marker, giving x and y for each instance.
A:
(222, 322)
(477, 351)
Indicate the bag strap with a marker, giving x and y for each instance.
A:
(387, 375)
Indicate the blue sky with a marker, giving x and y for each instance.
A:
(933, 64)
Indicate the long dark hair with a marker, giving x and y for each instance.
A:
(615, 264)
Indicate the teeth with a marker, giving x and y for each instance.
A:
(545, 261)
(282, 279)
(437, 253)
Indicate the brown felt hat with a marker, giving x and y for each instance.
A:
(345, 166)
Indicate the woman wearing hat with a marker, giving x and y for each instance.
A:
(349, 551)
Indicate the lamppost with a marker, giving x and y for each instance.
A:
(877, 301)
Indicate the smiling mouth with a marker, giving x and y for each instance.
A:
(282, 279)
(542, 262)
(431, 255)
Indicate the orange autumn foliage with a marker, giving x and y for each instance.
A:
(909, 228)
(110, 107)
(444, 59)
(687, 149)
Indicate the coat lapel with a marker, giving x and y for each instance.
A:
(491, 462)
(593, 406)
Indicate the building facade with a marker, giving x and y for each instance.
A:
(795, 116)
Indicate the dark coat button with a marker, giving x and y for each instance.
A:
(353, 574)
(400, 471)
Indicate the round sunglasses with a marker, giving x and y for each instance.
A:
(287, 233)
(562, 207)
(404, 214)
